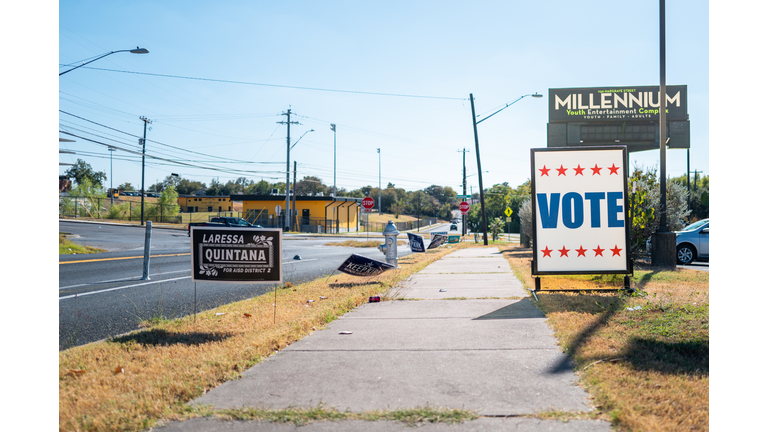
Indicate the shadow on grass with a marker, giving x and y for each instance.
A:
(519, 253)
(166, 338)
(669, 358)
(566, 364)
(353, 284)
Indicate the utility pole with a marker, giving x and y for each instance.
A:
(288, 122)
(143, 148)
(464, 168)
(479, 170)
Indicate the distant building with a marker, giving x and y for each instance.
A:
(204, 203)
(325, 214)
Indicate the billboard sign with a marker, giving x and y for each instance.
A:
(612, 104)
(580, 210)
(240, 255)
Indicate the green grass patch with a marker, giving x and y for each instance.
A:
(67, 247)
(301, 417)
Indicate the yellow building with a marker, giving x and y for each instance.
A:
(324, 214)
(204, 203)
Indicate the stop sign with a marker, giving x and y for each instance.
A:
(464, 207)
(368, 203)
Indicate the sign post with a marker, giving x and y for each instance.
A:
(367, 204)
(580, 212)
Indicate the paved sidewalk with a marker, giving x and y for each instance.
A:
(473, 340)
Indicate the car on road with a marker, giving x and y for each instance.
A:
(453, 228)
(693, 242)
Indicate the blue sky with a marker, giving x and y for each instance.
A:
(252, 61)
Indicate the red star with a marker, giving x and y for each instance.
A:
(544, 171)
(561, 171)
(595, 170)
(579, 170)
(564, 252)
(581, 251)
(547, 251)
(614, 169)
(598, 251)
(616, 250)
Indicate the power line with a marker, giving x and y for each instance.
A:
(279, 85)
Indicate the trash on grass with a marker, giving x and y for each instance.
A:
(636, 308)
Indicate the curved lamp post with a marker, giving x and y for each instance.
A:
(134, 51)
(475, 122)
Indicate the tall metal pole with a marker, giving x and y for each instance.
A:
(663, 120)
(479, 171)
(333, 128)
(378, 150)
(464, 169)
(287, 221)
(293, 207)
(143, 148)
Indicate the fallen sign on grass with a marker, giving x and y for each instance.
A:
(358, 265)
(437, 240)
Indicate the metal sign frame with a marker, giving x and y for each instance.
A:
(238, 255)
(616, 266)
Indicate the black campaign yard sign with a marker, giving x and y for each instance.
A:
(240, 255)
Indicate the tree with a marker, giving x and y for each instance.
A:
(495, 226)
(526, 222)
(645, 200)
(188, 187)
(263, 187)
(82, 170)
(310, 185)
(167, 205)
(125, 187)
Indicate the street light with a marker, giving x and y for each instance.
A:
(475, 122)
(133, 51)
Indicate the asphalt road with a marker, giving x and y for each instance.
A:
(102, 295)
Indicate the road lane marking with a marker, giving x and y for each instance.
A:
(120, 280)
(120, 288)
(142, 284)
(299, 261)
(121, 258)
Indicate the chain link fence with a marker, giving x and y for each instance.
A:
(104, 208)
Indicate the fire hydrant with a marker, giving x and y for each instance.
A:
(389, 248)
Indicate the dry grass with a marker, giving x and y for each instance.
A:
(129, 382)
(647, 369)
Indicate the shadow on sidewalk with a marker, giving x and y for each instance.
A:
(519, 309)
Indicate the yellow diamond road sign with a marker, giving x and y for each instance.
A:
(508, 212)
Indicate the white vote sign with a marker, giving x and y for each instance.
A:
(579, 203)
